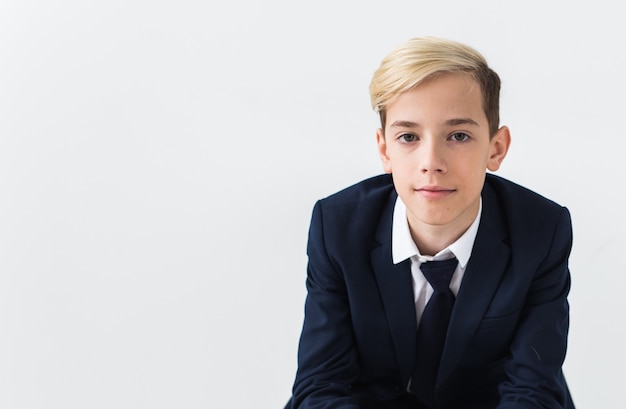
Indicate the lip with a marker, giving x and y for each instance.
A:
(434, 192)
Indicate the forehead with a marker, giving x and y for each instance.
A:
(443, 96)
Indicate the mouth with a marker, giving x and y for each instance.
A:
(435, 192)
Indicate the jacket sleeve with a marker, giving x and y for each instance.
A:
(537, 352)
(327, 358)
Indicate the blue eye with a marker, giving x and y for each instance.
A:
(407, 138)
(459, 137)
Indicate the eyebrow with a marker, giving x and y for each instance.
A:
(461, 121)
(449, 122)
(404, 124)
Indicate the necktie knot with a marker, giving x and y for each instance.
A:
(439, 273)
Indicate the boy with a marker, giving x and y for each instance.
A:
(436, 285)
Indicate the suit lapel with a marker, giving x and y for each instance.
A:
(395, 285)
(487, 265)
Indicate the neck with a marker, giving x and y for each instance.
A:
(430, 239)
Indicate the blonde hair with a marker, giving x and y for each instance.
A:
(421, 58)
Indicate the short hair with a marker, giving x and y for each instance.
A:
(421, 58)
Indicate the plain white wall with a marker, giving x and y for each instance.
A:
(159, 162)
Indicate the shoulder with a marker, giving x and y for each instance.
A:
(357, 210)
(525, 213)
(514, 197)
(366, 191)
(361, 201)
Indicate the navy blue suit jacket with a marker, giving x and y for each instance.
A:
(508, 332)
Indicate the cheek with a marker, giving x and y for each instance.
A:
(472, 166)
(406, 163)
(404, 171)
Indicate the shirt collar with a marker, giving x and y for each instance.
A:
(403, 246)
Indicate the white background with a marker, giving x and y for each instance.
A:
(159, 161)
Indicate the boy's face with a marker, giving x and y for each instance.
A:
(436, 145)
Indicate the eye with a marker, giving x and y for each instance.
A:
(459, 137)
(407, 138)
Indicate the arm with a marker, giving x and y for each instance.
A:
(540, 342)
(327, 359)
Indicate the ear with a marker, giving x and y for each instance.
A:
(498, 147)
(382, 150)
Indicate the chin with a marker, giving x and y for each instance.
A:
(435, 219)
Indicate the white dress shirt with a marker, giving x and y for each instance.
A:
(403, 247)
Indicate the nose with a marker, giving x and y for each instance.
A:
(432, 159)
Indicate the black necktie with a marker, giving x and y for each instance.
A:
(431, 334)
